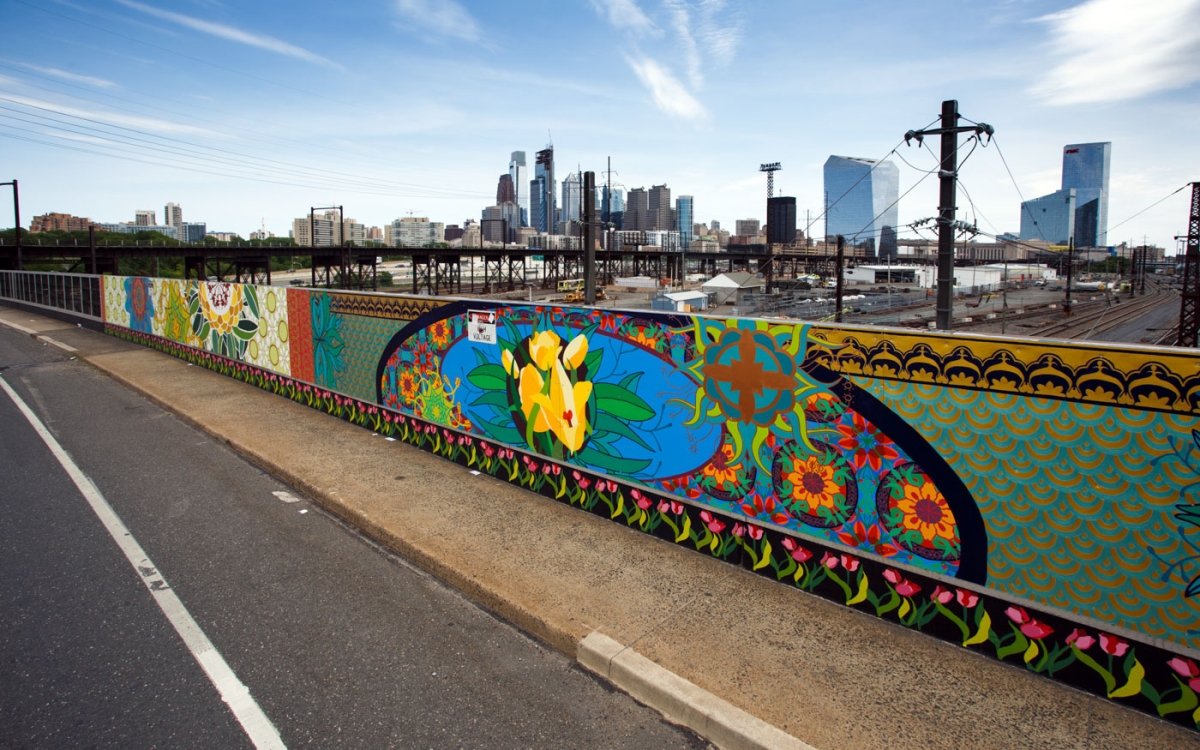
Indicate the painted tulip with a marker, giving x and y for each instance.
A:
(711, 522)
(739, 530)
(893, 577)
(907, 588)
(966, 598)
(1184, 667)
(756, 532)
(575, 352)
(850, 563)
(530, 389)
(830, 561)
(942, 595)
(1017, 615)
(1080, 639)
(565, 409)
(544, 349)
(1112, 645)
(642, 501)
(1036, 630)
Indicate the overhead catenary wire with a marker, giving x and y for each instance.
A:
(327, 175)
(1000, 151)
(261, 137)
(1152, 205)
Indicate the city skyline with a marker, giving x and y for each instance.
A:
(386, 121)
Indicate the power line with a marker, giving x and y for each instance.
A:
(293, 167)
(1147, 208)
(1018, 187)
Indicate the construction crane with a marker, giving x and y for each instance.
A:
(770, 169)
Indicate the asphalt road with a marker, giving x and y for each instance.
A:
(340, 643)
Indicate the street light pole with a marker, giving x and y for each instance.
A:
(17, 218)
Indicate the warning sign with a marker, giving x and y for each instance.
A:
(482, 326)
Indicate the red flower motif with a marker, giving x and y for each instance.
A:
(865, 443)
(756, 532)
(1187, 669)
(764, 507)
(798, 553)
(966, 598)
(1112, 645)
(739, 530)
(1017, 615)
(830, 561)
(860, 536)
(489, 451)
(942, 595)
(711, 522)
(907, 588)
(850, 563)
(642, 501)
(1036, 630)
(1080, 639)
(584, 483)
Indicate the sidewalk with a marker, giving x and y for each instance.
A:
(832, 677)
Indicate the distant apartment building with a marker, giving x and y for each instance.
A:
(451, 233)
(54, 222)
(637, 211)
(193, 232)
(414, 231)
(375, 234)
(500, 223)
(746, 228)
(125, 228)
(325, 230)
(862, 203)
(144, 218)
(173, 215)
(661, 214)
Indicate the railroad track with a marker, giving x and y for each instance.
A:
(1082, 326)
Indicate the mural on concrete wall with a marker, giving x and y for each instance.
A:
(1064, 475)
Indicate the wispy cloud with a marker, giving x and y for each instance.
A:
(669, 94)
(89, 80)
(1114, 50)
(625, 15)
(442, 17)
(697, 27)
(262, 41)
(112, 118)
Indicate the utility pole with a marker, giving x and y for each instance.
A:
(841, 263)
(1189, 301)
(589, 237)
(1070, 265)
(17, 218)
(948, 175)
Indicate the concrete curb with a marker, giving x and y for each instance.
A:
(682, 702)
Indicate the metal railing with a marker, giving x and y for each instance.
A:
(76, 293)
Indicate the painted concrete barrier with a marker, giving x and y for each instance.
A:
(1032, 501)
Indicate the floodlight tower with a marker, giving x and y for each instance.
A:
(770, 169)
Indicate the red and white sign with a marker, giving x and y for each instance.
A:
(481, 326)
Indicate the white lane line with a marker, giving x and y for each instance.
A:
(248, 713)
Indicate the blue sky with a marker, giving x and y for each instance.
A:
(397, 106)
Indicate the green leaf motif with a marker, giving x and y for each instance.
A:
(622, 403)
(489, 377)
(608, 462)
(606, 422)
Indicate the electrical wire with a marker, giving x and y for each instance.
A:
(1147, 208)
(1018, 187)
(337, 176)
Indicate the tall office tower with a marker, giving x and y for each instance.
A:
(684, 213)
(1086, 168)
(501, 223)
(520, 177)
(781, 222)
(542, 204)
(637, 210)
(572, 197)
(1051, 218)
(505, 192)
(173, 215)
(746, 228)
(145, 218)
(662, 216)
(863, 203)
(714, 226)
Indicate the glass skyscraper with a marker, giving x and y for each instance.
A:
(1085, 168)
(685, 214)
(572, 197)
(520, 180)
(543, 213)
(1050, 218)
(862, 203)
